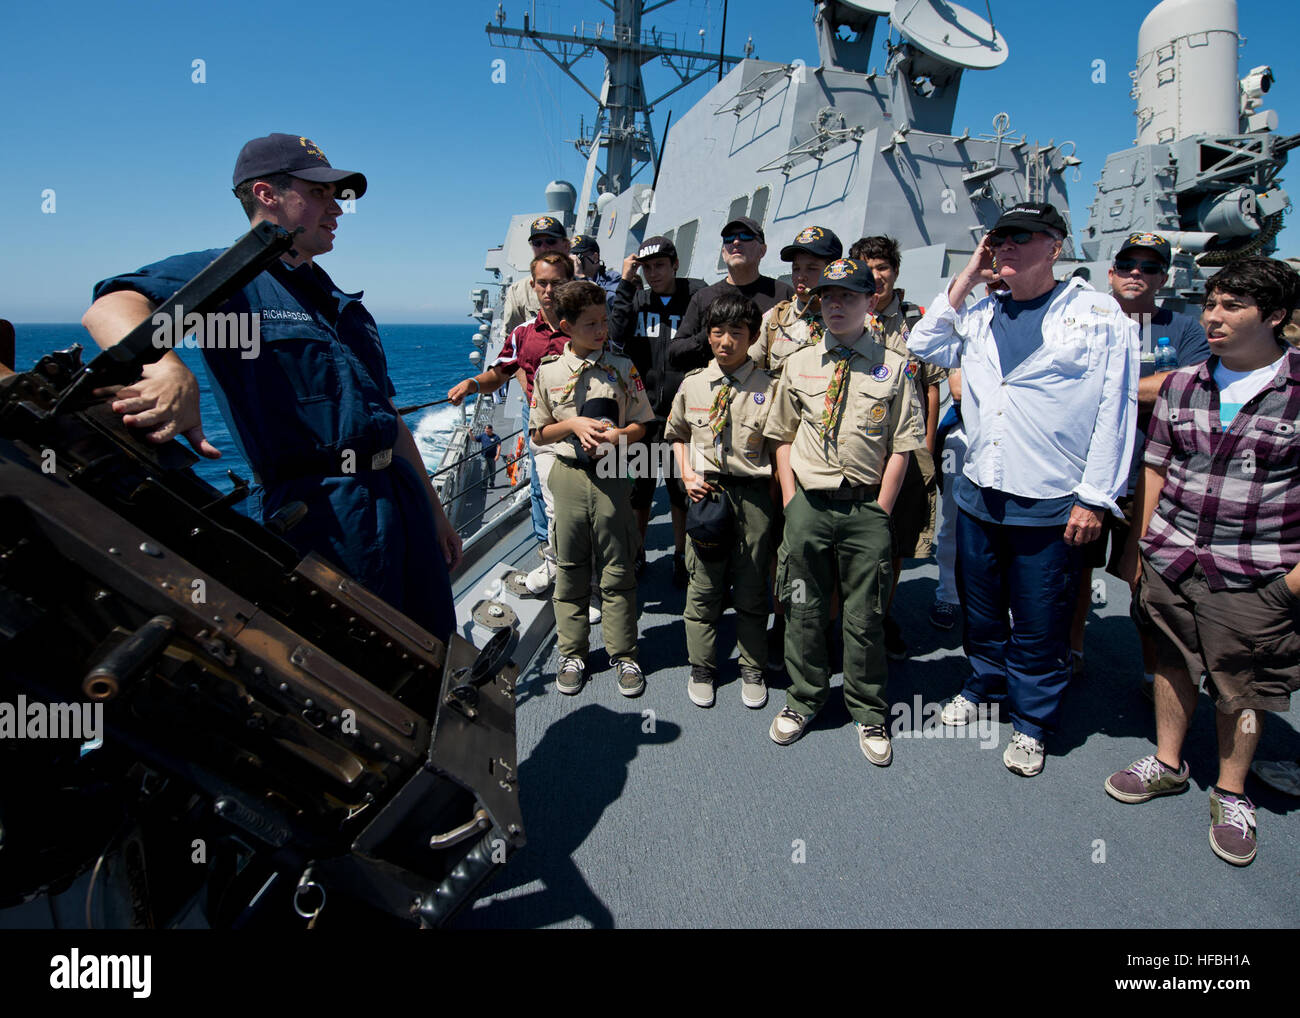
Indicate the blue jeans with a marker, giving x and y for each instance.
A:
(1035, 574)
(538, 505)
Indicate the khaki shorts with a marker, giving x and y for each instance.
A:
(1247, 641)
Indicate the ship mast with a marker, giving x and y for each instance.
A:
(622, 128)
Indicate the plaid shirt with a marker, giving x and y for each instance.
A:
(1231, 498)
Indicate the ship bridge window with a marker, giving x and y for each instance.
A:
(685, 244)
(758, 207)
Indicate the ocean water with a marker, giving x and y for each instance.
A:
(424, 361)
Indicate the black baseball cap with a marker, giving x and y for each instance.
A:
(848, 273)
(746, 224)
(547, 226)
(1035, 217)
(1150, 241)
(656, 247)
(581, 243)
(816, 241)
(297, 156)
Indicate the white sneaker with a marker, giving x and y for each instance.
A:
(540, 579)
(959, 711)
(1024, 755)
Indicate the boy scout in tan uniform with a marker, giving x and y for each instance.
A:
(797, 322)
(846, 417)
(716, 427)
(593, 511)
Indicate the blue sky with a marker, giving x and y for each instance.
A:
(100, 107)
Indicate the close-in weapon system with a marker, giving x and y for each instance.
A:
(263, 738)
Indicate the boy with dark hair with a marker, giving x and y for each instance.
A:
(586, 402)
(845, 419)
(716, 427)
(1220, 526)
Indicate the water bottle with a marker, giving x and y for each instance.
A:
(1166, 359)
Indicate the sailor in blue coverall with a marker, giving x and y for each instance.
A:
(312, 409)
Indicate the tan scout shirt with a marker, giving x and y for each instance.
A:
(881, 414)
(605, 375)
(785, 330)
(742, 450)
(893, 327)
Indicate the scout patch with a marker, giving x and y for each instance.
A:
(910, 371)
(880, 372)
(877, 413)
(759, 397)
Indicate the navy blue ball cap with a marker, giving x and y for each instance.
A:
(816, 241)
(850, 274)
(547, 226)
(1033, 217)
(297, 156)
(581, 243)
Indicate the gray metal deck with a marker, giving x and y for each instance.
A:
(698, 819)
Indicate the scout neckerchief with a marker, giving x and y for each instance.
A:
(720, 411)
(837, 391)
(814, 320)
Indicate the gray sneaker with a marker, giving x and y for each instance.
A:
(568, 679)
(1024, 755)
(1145, 779)
(631, 681)
(699, 687)
(873, 740)
(753, 690)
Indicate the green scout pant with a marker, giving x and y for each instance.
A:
(823, 537)
(744, 573)
(594, 519)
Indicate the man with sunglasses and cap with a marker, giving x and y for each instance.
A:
(743, 248)
(312, 412)
(585, 253)
(1139, 271)
(545, 234)
(642, 323)
(1049, 403)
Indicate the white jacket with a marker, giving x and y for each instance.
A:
(1063, 420)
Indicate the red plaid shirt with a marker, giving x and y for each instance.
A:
(526, 346)
(1231, 498)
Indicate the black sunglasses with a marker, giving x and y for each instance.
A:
(1129, 264)
(1020, 238)
(742, 237)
